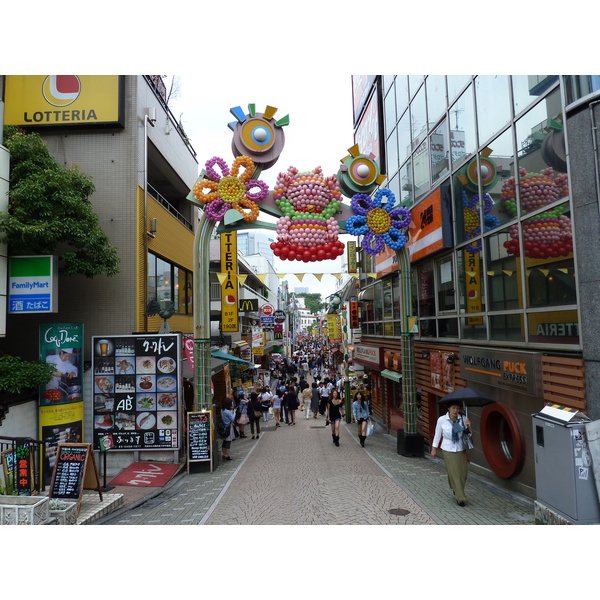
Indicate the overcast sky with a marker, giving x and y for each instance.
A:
(319, 134)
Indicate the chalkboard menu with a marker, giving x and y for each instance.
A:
(69, 471)
(137, 389)
(199, 436)
(71, 474)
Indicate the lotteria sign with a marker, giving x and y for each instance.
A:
(63, 100)
(32, 284)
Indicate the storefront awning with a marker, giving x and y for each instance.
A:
(391, 375)
(230, 357)
(240, 343)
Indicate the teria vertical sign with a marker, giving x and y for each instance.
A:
(228, 280)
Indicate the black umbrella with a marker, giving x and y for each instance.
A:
(466, 396)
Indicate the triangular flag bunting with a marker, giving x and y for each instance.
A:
(491, 273)
(337, 275)
(509, 273)
(280, 275)
(545, 272)
(262, 277)
(319, 276)
(222, 277)
(242, 279)
(300, 276)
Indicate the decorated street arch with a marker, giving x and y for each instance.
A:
(311, 215)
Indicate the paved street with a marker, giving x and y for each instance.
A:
(294, 475)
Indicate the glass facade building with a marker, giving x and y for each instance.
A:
(502, 177)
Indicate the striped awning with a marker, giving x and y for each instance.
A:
(391, 375)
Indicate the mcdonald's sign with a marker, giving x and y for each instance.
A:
(248, 305)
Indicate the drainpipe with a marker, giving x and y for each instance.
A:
(149, 117)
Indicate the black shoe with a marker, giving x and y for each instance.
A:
(460, 503)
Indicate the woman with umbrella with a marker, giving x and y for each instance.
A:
(449, 431)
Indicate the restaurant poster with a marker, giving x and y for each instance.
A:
(137, 391)
(61, 400)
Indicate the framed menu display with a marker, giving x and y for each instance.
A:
(199, 437)
(137, 391)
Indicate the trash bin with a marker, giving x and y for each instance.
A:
(563, 465)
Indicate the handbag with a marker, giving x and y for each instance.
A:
(467, 441)
(222, 429)
(467, 438)
(243, 420)
(258, 414)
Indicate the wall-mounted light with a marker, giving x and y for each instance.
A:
(152, 228)
(451, 358)
(424, 353)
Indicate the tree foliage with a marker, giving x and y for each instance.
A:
(49, 211)
(313, 302)
(17, 375)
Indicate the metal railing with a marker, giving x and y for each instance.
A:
(21, 465)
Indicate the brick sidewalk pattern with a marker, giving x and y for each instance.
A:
(294, 475)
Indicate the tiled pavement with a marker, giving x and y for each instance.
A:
(295, 475)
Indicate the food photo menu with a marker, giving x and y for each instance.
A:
(137, 391)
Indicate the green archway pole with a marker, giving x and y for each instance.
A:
(202, 372)
(408, 359)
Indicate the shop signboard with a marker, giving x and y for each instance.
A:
(199, 437)
(137, 390)
(510, 370)
(370, 356)
(32, 284)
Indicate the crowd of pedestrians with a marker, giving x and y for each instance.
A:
(288, 393)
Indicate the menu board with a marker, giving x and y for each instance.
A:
(69, 471)
(137, 390)
(198, 436)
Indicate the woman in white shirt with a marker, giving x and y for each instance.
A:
(449, 431)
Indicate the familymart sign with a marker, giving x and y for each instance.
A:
(32, 284)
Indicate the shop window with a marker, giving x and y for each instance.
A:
(473, 328)
(427, 328)
(447, 328)
(407, 195)
(414, 82)
(391, 148)
(503, 278)
(404, 138)
(528, 88)
(388, 301)
(436, 97)
(507, 328)
(426, 290)
(542, 178)
(493, 105)
(551, 284)
(377, 302)
(396, 299)
(462, 128)
(471, 283)
(554, 327)
(421, 168)
(439, 144)
(401, 85)
(445, 285)
(390, 111)
(169, 283)
(456, 84)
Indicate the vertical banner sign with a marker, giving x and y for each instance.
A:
(137, 391)
(473, 287)
(61, 399)
(354, 322)
(334, 329)
(229, 287)
(352, 267)
(257, 341)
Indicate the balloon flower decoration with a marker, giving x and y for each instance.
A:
(548, 234)
(378, 221)
(308, 230)
(231, 189)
